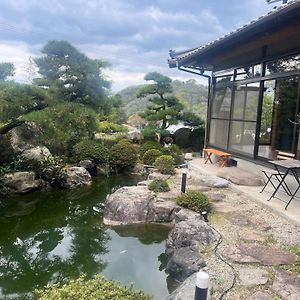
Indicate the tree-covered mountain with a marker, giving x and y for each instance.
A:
(191, 94)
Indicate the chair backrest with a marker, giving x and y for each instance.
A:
(281, 155)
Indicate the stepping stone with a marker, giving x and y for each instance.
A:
(255, 253)
(224, 207)
(250, 235)
(241, 177)
(238, 219)
(259, 223)
(286, 285)
(253, 277)
(212, 181)
(213, 197)
(260, 296)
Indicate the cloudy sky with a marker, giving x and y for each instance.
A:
(133, 35)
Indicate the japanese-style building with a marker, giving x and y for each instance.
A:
(254, 97)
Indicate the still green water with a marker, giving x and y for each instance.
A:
(50, 237)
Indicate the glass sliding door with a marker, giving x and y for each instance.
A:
(278, 131)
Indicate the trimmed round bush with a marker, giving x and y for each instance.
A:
(165, 164)
(195, 201)
(175, 152)
(96, 288)
(124, 155)
(148, 146)
(159, 185)
(91, 149)
(150, 156)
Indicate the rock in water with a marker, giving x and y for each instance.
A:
(89, 166)
(22, 183)
(77, 176)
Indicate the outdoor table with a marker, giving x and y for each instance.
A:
(289, 166)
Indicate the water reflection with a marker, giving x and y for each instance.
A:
(52, 237)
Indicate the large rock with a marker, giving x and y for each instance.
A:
(77, 176)
(157, 175)
(184, 262)
(260, 254)
(136, 204)
(37, 153)
(22, 183)
(25, 137)
(134, 135)
(212, 181)
(241, 177)
(89, 166)
(286, 285)
(188, 233)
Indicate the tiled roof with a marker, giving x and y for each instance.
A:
(177, 57)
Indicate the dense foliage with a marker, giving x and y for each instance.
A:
(109, 127)
(64, 125)
(91, 149)
(165, 164)
(175, 152)
(150, 156)
(195, 201)
(97, 289)
(159, 186)
(124, 155)
(148, 146)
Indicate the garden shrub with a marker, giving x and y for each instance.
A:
(175, 152)
(159, 185)
(97, 288)
(150, 133)
(165, 164)
(150, 156)
(124, 155)
(109, 127)
(91, 149)
(195, 201)
(149, 145)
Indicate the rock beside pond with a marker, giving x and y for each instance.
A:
(89, 166)
(37, 153)
(136, 204)
(184, 262)
(77, 176)
(193, 231)
(22, 183)
(241, 177)
(156, 175)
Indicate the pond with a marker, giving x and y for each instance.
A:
(53, 236)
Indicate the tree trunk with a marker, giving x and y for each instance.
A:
(8, 127)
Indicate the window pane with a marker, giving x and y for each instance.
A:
(283, 65)
(242, 136)
(239, 103)
(221, 103)
(252, 102)
(219, 133)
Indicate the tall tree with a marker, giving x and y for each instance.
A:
(6, 70)
(71, 75)
(165, 108)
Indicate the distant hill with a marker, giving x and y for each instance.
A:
(190, 93)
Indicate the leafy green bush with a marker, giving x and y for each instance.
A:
(165, 164)
(150, 133)
(195, 201)
(97, 288)
(124, 155)
(91, 149)
(109, 127)
(150, 156)
(175, 152)
(52, 169)
(149, 145)
(159, 185)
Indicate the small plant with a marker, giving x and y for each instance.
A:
(150, 156)
(195, 201)
(159, 185)
(296, 266)
(165, 164)
(150, 133)
(124, 155)
(96, 288)
(148, 146)
(91, 149)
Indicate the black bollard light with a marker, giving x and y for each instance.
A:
(183, 181)
(202, 282)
